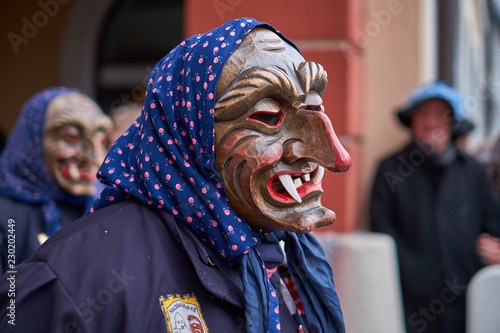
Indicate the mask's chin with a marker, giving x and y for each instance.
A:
(300, 219)
(73, 178)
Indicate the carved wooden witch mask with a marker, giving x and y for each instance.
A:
(273, 139)
(74, 143)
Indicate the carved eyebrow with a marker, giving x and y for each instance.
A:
(75, 119)
(249, 86)
(64, 120)
(312, 76)
(257, 82)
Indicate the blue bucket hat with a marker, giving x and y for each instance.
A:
(441, 90)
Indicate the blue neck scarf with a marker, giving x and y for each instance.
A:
(24, 176)
(166, 160)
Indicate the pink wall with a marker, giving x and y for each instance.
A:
(325, 34)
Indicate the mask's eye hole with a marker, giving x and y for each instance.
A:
(70, 134)
(271, 119)
(314, 108)
(71, 139)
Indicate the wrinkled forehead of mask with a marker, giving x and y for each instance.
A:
(262, 53)
(64, 107)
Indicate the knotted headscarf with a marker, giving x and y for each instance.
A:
(24, 176)
(166, 160)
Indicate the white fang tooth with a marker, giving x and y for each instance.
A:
(307, 177)
(318, 177)
(287, 182)
(74, 172)
(297, 182)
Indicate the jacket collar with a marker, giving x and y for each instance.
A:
(215, 275)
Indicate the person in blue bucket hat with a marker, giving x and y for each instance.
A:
(218, 169)
(439, 90)
(436, 201)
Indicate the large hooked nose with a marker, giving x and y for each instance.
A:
(314, 139)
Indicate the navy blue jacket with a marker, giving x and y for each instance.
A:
(125, 268)
(28, 225)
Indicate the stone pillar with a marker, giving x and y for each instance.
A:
(483, 301)
(366, 275)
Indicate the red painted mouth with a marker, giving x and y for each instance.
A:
(279, 193)
(77, 172)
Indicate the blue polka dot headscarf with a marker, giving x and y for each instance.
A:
(166, 160)
(24, 175)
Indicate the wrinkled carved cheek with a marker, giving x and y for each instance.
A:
(231, 174)
(50, 152)
(245, 169)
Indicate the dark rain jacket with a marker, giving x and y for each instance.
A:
(126, 268)
(435, 214)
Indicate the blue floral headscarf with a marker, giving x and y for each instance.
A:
(24, 176)
(166, 160)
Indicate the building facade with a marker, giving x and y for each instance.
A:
(375, 51)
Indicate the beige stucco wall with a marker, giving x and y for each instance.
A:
(398, 56)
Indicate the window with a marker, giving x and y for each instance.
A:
(135, 35)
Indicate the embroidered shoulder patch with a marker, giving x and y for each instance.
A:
(183, 314)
